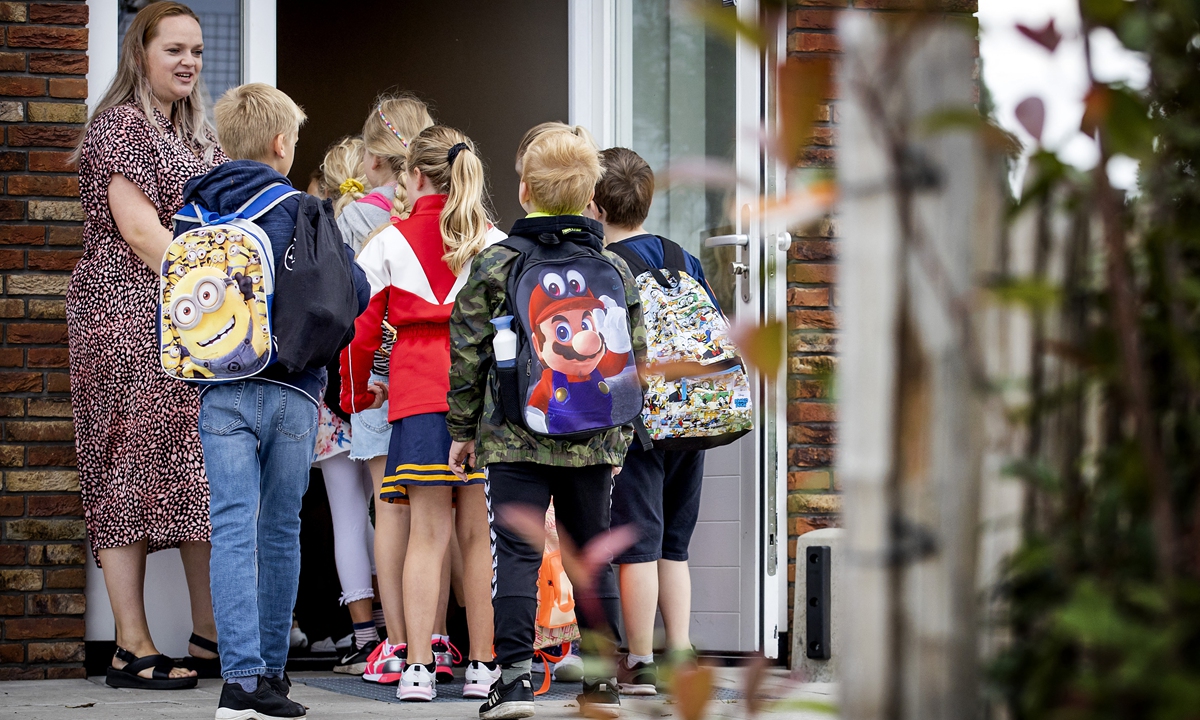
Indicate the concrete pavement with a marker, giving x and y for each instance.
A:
(92, 700)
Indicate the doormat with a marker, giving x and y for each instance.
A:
(452, 691)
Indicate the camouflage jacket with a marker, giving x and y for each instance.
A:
(474, 411)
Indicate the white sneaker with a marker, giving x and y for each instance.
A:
(417, 684)
(324, 647)
(479, 679)
(345, 643)
(297, 640)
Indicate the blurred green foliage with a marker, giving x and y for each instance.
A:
(1097, 627)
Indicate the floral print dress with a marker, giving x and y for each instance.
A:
(141, 468)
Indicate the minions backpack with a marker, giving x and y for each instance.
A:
(216, 288)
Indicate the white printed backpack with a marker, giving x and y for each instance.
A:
(699, 394)
(216, 288)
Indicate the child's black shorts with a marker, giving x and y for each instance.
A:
(658, 492)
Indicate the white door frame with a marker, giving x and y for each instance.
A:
(600, 75)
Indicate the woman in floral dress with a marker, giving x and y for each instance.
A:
(140, 463)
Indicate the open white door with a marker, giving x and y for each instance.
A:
(646, 75)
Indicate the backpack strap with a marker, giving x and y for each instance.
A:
(637, 265)
(673, 256)
(265, 200)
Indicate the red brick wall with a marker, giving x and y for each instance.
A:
(813, 498)
(42, 91)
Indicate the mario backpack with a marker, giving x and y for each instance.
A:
(216, 289)
(575, 374)
(704, 402)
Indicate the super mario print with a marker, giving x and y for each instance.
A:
(214, 305)
(579, 331)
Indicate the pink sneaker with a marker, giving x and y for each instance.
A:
(445, 656)
(386, 665)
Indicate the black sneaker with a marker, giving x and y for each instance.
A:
(600, 699)
(355, 661)
(262, 704)
(506, 702)
(281, 685)
(641, 679)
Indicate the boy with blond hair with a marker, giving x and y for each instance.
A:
(258, 434)
(525, 465)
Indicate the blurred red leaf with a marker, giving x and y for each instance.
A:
(756, 673)
(693, 689)
(1096, 105)
(761, 346)
(1031, 113)
(1047, 37)
(803, 84)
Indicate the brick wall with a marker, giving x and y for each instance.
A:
(42, 91)
(813, 497)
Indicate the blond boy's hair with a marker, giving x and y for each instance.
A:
(250, 116)
(560, 170)
(539, 130)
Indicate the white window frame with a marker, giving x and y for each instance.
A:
(258, 44)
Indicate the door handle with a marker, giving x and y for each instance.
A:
(740, 269)
(725, 240)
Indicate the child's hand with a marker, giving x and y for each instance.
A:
(462, 456)
(616, 470)
(380, 391)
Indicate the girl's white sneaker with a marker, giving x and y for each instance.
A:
(418, 684)
(479, 680)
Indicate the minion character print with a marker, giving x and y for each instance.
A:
(214, 306)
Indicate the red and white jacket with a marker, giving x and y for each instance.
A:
(413, 289)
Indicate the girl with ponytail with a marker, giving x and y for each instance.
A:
(416, 267)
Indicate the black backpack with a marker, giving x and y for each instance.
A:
(575, 375)
(315, 302)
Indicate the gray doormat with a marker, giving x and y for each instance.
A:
(452, 691)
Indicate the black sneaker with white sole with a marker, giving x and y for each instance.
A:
(600, 699)
(355, 661)
(262, 704)
(641, 679)
(506, 702)
(281, 684)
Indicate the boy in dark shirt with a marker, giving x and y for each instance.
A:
(258, 434)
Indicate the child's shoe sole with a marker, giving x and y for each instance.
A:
(508, 711)
(416, 694)
(227, 714)
(476, 691)
(636, 689)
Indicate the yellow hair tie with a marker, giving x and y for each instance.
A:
(351, 185)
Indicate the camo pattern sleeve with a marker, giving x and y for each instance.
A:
(474, 411)
(478, 302)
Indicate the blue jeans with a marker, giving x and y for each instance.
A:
(258, 442)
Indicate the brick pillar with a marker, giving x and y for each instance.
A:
(813, 492)
(42, 555)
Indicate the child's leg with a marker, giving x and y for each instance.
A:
(391, 544)
(683, 475)
(228, 419)
(637, 500)
(289, 422)
(582, 497)
(431, 524)
(514, 581)
(351, 549)
(475, 541)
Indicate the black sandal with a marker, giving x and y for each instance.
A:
(205, 667)
(160, 679)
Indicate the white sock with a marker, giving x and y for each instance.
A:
(631, 659)
(442, 638)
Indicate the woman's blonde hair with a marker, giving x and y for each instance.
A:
(131, 83)
(341, 174)
(537, 131)
(389, 130)
(448, 159)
